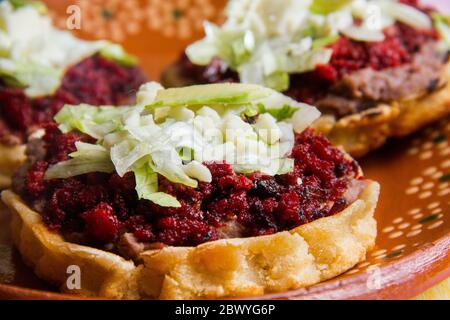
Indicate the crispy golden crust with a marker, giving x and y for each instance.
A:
(360, 133)
(11, 157)
(304, 256)
(363, 132)
(226, 268)
(102, 273)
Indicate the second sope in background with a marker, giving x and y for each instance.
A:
(375, 69)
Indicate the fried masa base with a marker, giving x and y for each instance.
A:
(225, 268)
(102, 274)
(368, 130)
(11, 157)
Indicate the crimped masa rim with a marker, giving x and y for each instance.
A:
(293, 259)
(350, 233)
(102, 273)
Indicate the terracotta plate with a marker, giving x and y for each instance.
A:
(412, 252)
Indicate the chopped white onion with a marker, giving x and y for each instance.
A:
(363, 34)
(406, 14)
(196, 170)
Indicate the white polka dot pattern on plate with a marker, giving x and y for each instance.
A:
(428, 186)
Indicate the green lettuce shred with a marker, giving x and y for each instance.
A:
(147, 188)
(442, 24)
(328, 6)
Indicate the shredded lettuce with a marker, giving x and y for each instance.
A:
(147, 93)
(163, 199)
(278, 80)
(125, 154)
(270, 167)
(94, 121)
(88, 158)
(251, 111)
(286, 166)
(302, 118)
(38, 5)
(282, 107)
(78, 166)
(265, 41)
(442, 23)
(224, 93)
(363, 34)
(147, 188)
(198, 171)
(70, 117)
(35, 54)
(406, 14)
(324, 41)
(328, 6)
(90, 151)
(280, 114)
(168, 163)
(116, 52)
(201, 52)
(37, 80)
(234, 46)
(201, 123)
(186, 154)
(307, 61)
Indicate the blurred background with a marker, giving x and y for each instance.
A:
(154, 30)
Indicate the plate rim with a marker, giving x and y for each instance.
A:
(413, 274)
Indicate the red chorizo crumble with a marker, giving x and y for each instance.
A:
(95, 81)
(103, 207)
